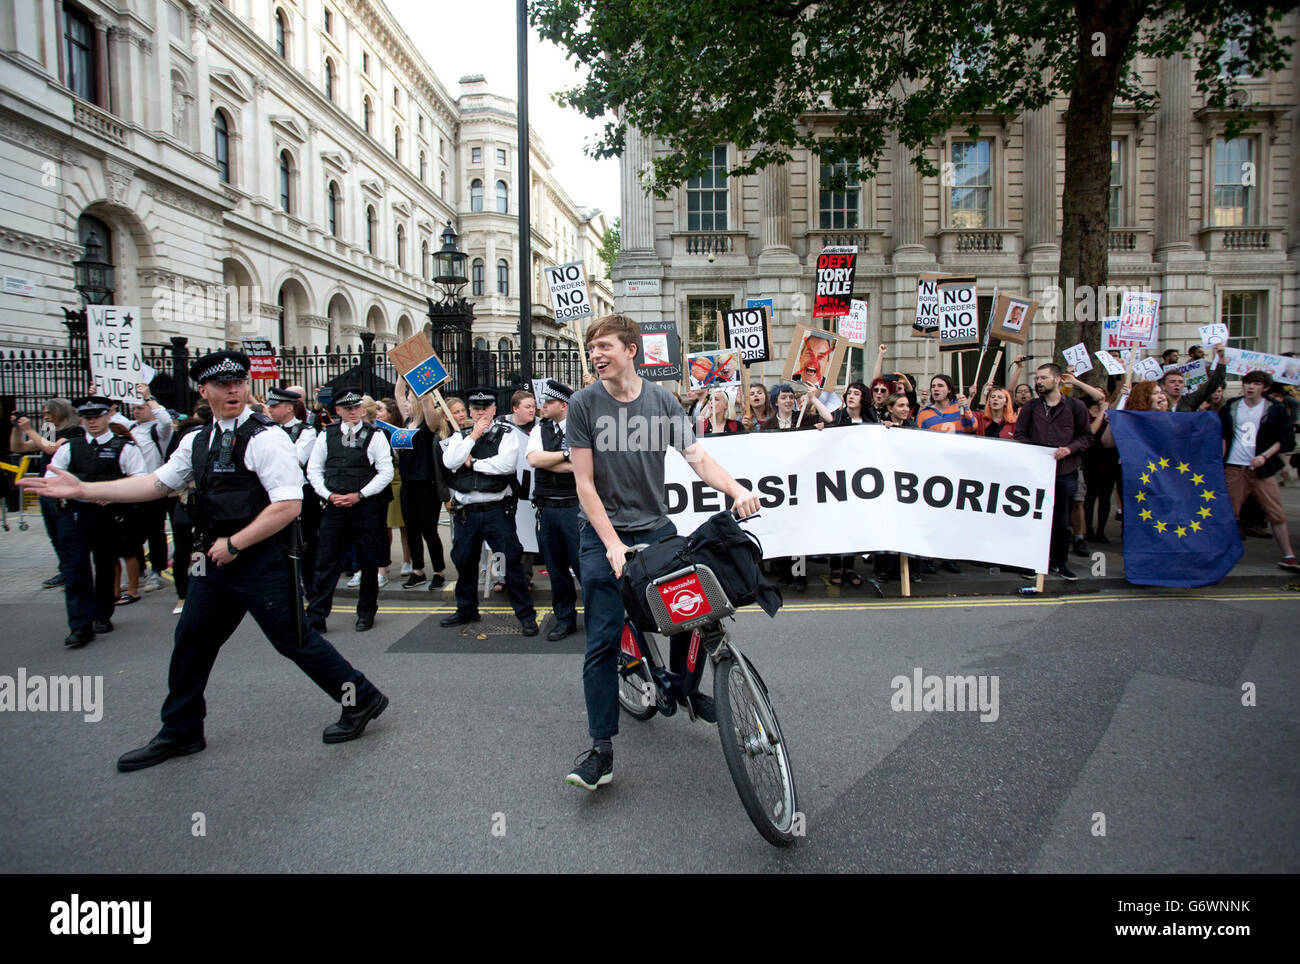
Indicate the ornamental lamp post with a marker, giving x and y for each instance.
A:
(451, 320)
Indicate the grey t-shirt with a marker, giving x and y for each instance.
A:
(628, 441)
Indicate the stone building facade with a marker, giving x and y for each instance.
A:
(275, 168)
(1212, 224)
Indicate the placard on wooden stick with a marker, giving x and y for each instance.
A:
(423, 370)
(1012, 317)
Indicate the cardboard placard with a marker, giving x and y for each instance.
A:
(815, 358)
(1148, 370)
(113, 335)
(1109, 362)
(659, 358)
(1139, 317)
(748, 331)
(836, 266)
(569, 297)
(713, 369)
(1214, 334)
(417, 362)
(1242, 361)
(1195, 374)
(927, 304)
(262, 358)
(853, 326)
(1077, 355)
(1012, 317)
(959, 324)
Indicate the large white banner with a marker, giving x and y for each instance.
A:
(864, 488)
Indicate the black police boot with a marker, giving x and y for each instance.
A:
(102, 626)
(365, 621)
(354, 720)
(79, 637)
(157, 750)
(459, 619)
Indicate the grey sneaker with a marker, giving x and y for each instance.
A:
(153, 582)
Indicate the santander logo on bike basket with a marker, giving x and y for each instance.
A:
(685, 599)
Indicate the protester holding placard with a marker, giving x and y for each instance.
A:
(719, 417)
(1255, 433)
(786, 416)
(424, 484)
(1171, 382)
(1021, 393)
(998, 419)
(948, 410)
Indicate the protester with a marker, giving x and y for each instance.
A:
(387, 411)
(555, 497)
(720, 416)
(459, 412)
(1195, 353)
(1021, 393)
(1100, 472)
(785, 416)
(1090, 396)
(1172, 382)
(152, 432)
(948, 411)
(1169, 356)
(59, 422)
(855, 410)
(899, 411)
(898, 414)
(998, 419)
(424, 484)
(760, 408)
(350, 468)
(1255, 433)
(1062, 424)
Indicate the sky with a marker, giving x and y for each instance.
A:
(458, 37)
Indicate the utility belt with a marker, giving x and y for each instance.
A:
(204, 541)
(555, 502)
(509, 504)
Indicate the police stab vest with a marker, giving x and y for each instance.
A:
(347, 469)
(294, 430)
(553, 485)
(467, 480)
(96, 463)
(227, 494)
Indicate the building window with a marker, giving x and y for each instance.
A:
(476, 155)
(1234, 179)
(442, 148)
(401, 247)
(365, 63)
(838, 209)
(1242, 311)
(503, 198)
(1116, 183)
(971, 193)
(419, 124)
(504, 345)
(286, 168)
(424, 166)
(332, 204)
(329, 80)
(476, 195)
(329, 21)
(79, 41)
(442, 185)
(702, 322)
(280, 33)
(424, 260)
(372, 224)
(503, 277)
(222, 129)
(476, 276)
(501, 155)
(366, 113)
(175, 21)
(706, 195)
(397, 143)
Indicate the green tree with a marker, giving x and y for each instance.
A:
(610, 245)
(772, 75)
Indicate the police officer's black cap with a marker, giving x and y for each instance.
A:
(221, 366)
(558, 391)
(275, 395)
(481, 397)
(91, 405)
(348, 397)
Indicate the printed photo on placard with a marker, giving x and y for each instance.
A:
(1012, 317)
(815, 357)
(713, 369)
(660, 356)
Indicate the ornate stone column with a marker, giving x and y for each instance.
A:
(909, 214)
(1173, 155)
(774, 216)
(1042, 240)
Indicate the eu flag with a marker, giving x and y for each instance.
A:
(1179, 529)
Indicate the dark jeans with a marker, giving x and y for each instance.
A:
(469, 531)
(151, 524)
(258, 582)
(1066, 486)
(89, 536)
(420, 511)
(557, 538)
(604, 614)
(182, 547)
(1099, 474)
(362, 527)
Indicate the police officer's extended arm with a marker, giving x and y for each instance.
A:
(59, 484)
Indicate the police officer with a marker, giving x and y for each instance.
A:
(247, 490)
(555, 494)
(282, 405)
(89, 533)
(350, 468)
(482, 459)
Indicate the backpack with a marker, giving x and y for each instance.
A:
(717, 568)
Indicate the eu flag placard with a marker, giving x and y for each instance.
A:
(1179, 529)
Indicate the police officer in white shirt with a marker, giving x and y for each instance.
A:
(87, 533)
(247, 487)
(350, 468)
(282, 405)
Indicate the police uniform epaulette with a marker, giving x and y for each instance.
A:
(261, 419)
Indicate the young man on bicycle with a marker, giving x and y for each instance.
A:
(619, 429)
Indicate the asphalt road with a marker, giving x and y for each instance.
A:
(1127, 705)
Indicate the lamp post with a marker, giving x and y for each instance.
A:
(93, 279)
(451, 319)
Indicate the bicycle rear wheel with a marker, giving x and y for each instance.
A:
(759, 768)
(636, 688)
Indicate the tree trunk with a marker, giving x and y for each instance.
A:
(1085, 199)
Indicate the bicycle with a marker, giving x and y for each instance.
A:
(752, 742)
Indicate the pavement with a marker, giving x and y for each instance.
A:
(1138, 730)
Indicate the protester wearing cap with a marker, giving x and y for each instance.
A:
(482, 458)
(350, 468)
(555, 495)
(89, 536)
(246, 491)
(282, 405)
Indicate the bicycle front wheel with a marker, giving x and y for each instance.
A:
(759, 765)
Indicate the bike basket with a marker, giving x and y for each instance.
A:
(686, 599)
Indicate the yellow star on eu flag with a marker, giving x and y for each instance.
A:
(1141, 496)
(1164, 463)
(1161, 527)
(1196, 526)
(1204, 513)
(1208, 495)
(1181, 530)
(1197, 479)
(1146, 479)
(1183, 468)
(1151, 466)
(1146, 515)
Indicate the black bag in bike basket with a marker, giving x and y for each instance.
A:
(680, 583)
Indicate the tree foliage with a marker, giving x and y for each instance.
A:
(610, 246)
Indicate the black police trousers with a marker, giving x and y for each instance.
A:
(362, 526)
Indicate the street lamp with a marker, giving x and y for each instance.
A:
(451, 320)
(449, 267)
(94, 275)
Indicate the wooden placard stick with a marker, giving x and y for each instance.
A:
(988, 385)
(744, 387)
(906, 572)
(442, 403)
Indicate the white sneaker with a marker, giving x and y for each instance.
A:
(383, 578)
(355, 581)
(152, 582)
(180, 606)
(406, 569)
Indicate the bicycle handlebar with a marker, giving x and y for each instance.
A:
(633, 550)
